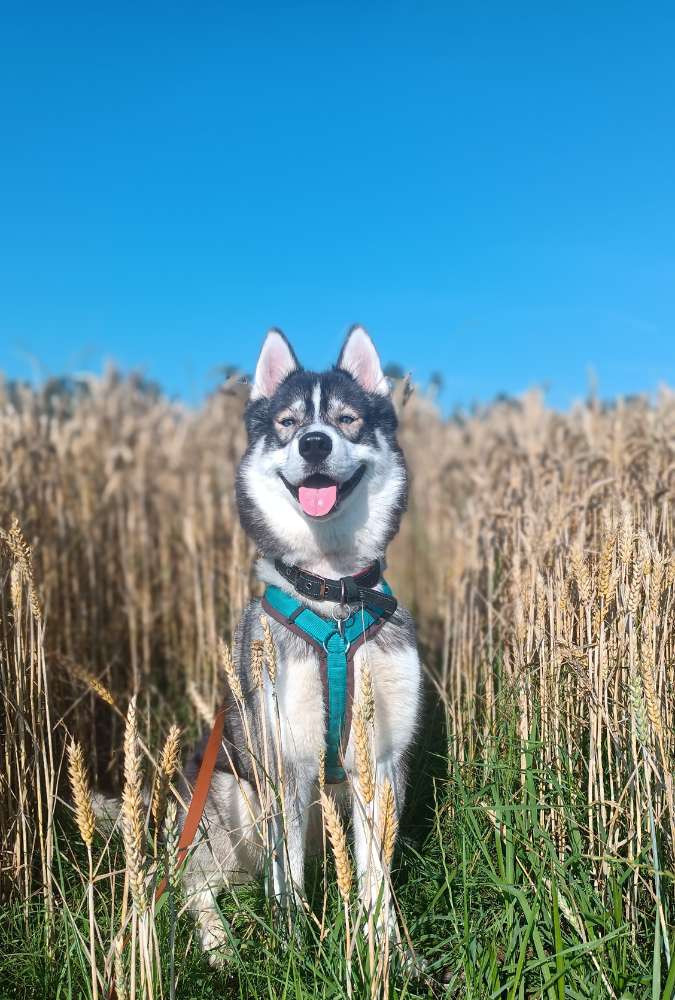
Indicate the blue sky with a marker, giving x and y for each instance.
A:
(488, 188)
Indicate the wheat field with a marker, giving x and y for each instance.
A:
(535, 856)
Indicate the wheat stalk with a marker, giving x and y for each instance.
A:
(322, 769)
(84, 815)
(172, 837)
(343, 870)
(132, 815)
(119, 971)
(605, 567)
(202, 708)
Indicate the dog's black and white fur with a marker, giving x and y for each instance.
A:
(351, 405)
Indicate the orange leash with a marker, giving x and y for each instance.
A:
(196, 807)
(200, 793)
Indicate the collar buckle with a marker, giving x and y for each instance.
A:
(311, 585)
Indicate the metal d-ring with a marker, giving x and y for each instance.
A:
(341, 613)
(347, 642)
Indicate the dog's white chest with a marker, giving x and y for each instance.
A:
(300, 699)
(299, 693)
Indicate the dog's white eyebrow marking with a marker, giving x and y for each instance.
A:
(297, 407)
(316, 400)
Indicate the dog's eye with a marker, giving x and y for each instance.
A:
(347, 418)
(287, 422)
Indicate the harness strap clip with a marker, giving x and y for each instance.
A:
(341, 613)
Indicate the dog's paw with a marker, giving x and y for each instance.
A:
(413, 965)
(382, 926)
(215, 942)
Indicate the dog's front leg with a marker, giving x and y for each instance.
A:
(375, 825)
(289, 830)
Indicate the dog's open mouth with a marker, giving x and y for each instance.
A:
(318, 495)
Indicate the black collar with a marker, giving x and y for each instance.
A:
(352, 590)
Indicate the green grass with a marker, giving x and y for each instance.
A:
(491, 907)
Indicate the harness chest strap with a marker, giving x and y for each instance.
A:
(336, 651)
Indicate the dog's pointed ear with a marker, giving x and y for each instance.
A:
(276, 361)
(359, 357)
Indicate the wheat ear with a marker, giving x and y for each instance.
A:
(93, 683)
(364, 759)
(227, 663)
(84, 811)
(367, 694)
(167, 767)
(338, 842)
(269, 649)
(257, 662)
(388, 820)
(580, 573)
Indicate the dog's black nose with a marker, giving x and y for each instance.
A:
(315, 446)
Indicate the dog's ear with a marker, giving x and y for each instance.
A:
(359, 357)
(276, 361)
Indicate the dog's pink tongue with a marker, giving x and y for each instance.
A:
(317, 501)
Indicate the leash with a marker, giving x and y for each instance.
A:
(196, 807)
(200, 793)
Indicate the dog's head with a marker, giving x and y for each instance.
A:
(323, 474)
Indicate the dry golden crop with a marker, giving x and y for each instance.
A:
(538, 556)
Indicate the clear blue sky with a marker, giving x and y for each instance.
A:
(489, 188)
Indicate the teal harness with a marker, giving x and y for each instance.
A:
(336, 642)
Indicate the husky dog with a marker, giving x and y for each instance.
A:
(320, 490)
